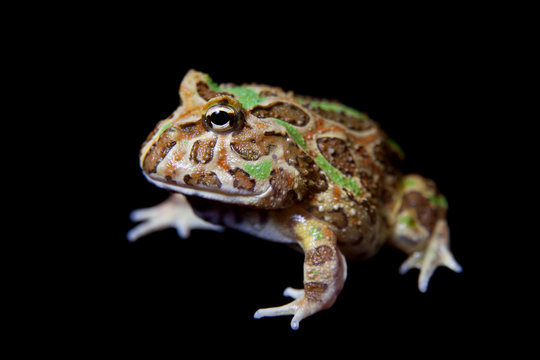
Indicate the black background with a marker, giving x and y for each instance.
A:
(423, 79)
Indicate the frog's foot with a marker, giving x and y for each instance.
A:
(435, 254)
(174, 212)
(301, 307)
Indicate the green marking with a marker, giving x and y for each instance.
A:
(338, 108)
(315, 232)
(163, 128)
(439, 200)
(314, 272)
(409, 183)
(185, 142)
(246, 96)
(332, 106)
(259, 171)
(296, 136)
(336, 176)
(408, 220)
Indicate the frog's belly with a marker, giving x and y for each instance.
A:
(358, 240)
(260, 223)
(362, 248)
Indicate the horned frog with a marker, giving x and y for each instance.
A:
(292, 169)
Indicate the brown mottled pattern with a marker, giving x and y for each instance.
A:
(371, 210)
(268, 92)
(349, 121)
(360, 151)
(369, 183)
(274, 133)
(204, 91)
(251, 149)
(281, 182)
(319, 255)
(283, 111)
(190, 130)
(242, 180)
(314, 291)
(314, 178)
(338, 218)
(250, 144)
(203, 150)
(156, 153)
(337, 153)
(208, 179)
(335, 217)
(425, 211)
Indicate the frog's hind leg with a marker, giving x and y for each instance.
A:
(421, 230)
(436, 253)
(175, 212)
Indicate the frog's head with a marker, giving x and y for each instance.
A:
(231, 144)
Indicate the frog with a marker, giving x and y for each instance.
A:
(305, 171)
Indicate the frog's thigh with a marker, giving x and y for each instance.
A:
(324, 271)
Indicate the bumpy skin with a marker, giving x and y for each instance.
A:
(293, 169)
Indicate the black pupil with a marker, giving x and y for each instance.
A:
(220, 118)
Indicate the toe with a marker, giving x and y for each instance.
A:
(287, 309)
(293, 293)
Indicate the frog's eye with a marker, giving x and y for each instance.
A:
(221, 118)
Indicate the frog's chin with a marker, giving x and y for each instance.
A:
(222, 196)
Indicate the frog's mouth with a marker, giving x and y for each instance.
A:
(216, 194)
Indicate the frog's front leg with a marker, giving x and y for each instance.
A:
(421, 229)
(175, 212)
(325, 269)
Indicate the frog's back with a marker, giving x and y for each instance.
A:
(349, 163)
